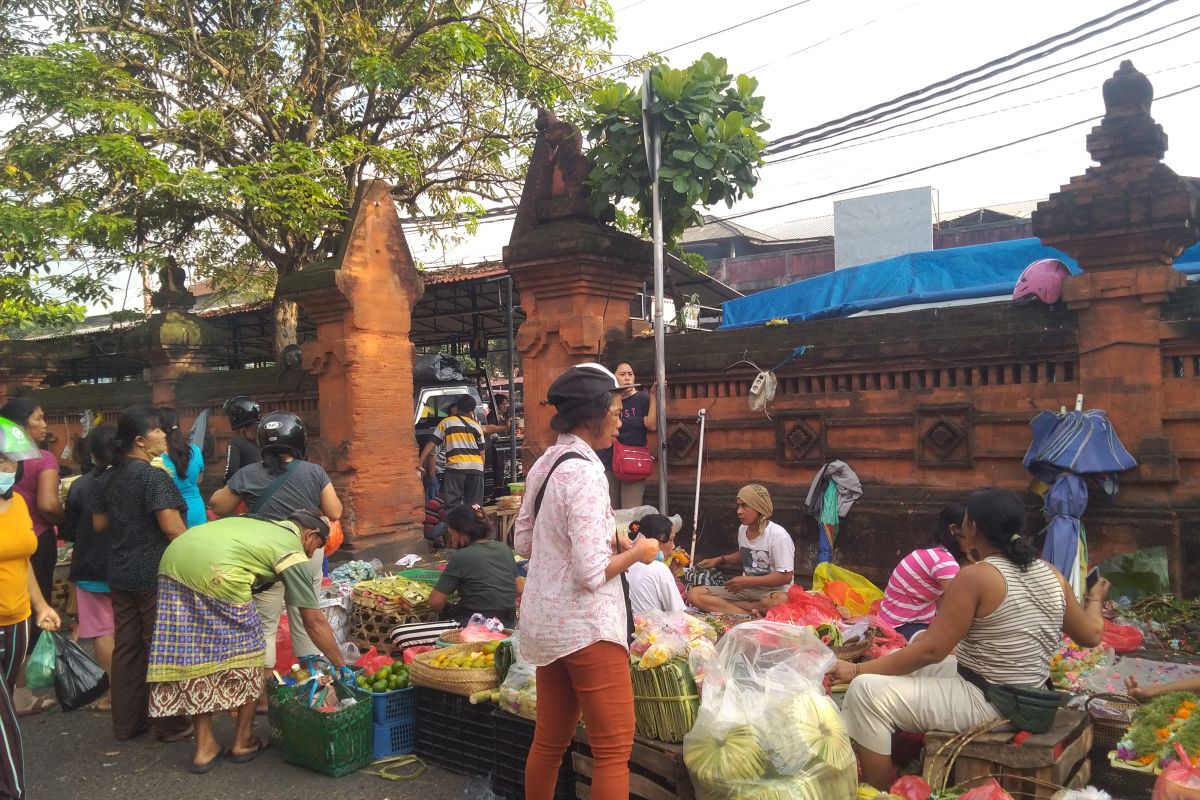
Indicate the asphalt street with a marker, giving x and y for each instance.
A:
(74, 757)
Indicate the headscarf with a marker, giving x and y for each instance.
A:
(756, 496)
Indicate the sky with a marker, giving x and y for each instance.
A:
(819, 60)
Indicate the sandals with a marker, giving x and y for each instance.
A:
(183, 735)
(200, 769)
(39, 705)
(250, 755)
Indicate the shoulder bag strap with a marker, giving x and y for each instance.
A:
(537, 503)
(275, 486)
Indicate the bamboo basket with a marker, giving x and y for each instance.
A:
(369, 628)
(665, 701)
(464, 682)
(450, 638)
(1107, 730)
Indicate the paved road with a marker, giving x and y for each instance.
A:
(74, 757)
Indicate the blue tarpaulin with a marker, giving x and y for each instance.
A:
(956, 273)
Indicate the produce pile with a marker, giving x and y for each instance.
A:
(1071, 666)
(766, 729)
(1157, 727)
(385, 679)
(1176, 622)
(354, 572)
(401, 593)
(482, 657)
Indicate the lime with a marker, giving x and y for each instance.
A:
(384, 673)
(379, 686)
(402, 683)
(362, 681)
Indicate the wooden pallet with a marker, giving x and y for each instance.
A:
(1059, 757)
(656, 770)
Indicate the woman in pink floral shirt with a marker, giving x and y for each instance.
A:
(573, 617)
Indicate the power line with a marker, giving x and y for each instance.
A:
(928, 167)
(838, 145)
(943, 87)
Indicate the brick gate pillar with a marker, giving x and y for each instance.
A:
(576, 276)
(1125, 221)
(361, 302)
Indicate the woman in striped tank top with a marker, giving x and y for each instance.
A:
(1000, 619)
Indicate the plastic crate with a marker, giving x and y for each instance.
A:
(453, 734)
(514, 737)
(335, 743)
(397, 738)
(391, 706)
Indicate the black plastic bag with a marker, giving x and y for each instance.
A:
(78, 680)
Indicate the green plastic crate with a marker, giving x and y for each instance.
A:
(276, 695)
(430, 576)
(334, 744)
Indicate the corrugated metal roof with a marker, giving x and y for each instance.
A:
(802, 229)
(715, 229)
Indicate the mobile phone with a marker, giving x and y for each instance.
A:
(1092, 576)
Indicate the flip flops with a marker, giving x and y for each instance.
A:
(200, 769)
(40, 703)
(242, 758)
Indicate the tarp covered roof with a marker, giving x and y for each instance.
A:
(956, 273)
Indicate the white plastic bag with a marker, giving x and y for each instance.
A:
(766, 728)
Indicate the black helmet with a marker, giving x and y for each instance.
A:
(282, 430)
(242, 411)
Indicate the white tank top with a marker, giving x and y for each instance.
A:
(1014, 643)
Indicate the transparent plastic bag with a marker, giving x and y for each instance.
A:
(480, 629)
(798, 747)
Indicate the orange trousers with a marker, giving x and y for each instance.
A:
(594, 681)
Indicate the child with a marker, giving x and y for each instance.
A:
(652, 586)
(481, 569)
(1151, 692)
(915, 588)
(766, 554)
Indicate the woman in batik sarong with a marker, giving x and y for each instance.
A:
(208, 648)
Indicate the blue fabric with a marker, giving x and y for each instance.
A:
(189, 486)
(1065, 503)
(95, 587)
(956, 273)
(1082, 442)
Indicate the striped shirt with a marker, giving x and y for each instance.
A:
(915, 586)
(462, 440)
(1015, 642)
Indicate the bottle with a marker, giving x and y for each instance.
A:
(298, 674)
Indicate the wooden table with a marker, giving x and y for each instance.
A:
(504, 518)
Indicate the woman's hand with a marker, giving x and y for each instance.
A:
(1137, 692)
(843, 672)
(646, 550)
(623, 541)
(47, 619)
(710, 563)
(1099, 592)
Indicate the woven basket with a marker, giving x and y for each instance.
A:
(370, 628)
(464, 682)
(450, 638)
(1106, 731)
(853, 650)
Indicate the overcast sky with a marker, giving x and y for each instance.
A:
(824, 59)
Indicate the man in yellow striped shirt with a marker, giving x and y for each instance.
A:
(461, 438)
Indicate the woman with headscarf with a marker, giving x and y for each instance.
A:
(208, 647)
(765, 553)
(574, 624)
(20, 598)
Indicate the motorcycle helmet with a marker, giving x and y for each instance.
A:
(241, 411)
(1043, 279)
(282, 430)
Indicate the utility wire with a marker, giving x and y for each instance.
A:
(944, 86)
(928, 167)
(1106, 59)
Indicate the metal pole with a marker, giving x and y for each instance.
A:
(699, 467)
(653, 145)
(512, 387)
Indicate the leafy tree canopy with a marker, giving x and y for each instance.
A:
(234, 135)
(710, 123)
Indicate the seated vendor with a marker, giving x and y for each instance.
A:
(481, 570)
(915, 589)
(1000, 622)
(767, 557)
(652, 586)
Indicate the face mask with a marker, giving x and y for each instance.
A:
(660, 556)
(7, 479)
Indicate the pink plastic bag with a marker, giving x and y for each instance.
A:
(911, 787)
(283, 646)
(887, 640)
(482, 630)
(805, 608)
(987, 791)
(1180, 780)
(1121, 638)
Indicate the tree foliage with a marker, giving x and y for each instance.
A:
(710, 124)
(234, 135)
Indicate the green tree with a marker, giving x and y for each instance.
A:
(709, 121)
(234, 135)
